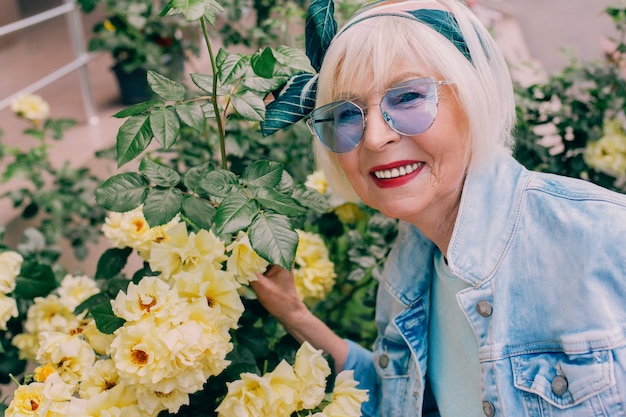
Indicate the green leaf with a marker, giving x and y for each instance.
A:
(263, 86)
(263, 63)
(34, 280)
(198, 212)
(191, 9)
(320, 29)
(263, 173)
(205, 83)
(220, 183)
(296, 100)
(137, 109)
(194, 176)
(311, 199)
(192, 115)
(161, 205)
(278, 202)
(291, 61)
(235, 213)
(230, 66)
(133, 138)
(211, 9)
(160, 175)
(273, 238)
(165, 125)
(122, 192)
(166, 88)
(111, 262)
(249, 105)
(106, 321)
(93, 301)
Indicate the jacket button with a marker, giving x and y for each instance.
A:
(488, 409)
(383, 361)
(484, 308)
(559, 385)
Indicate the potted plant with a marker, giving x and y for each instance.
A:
(139, 40)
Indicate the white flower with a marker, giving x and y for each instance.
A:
(10, 265)
(31, 107)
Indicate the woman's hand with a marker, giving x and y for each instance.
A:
(276, 290)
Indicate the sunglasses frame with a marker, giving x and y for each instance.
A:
(427, 80)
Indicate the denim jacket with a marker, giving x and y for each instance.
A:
(545, 257)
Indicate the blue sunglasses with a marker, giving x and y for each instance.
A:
(409, 108)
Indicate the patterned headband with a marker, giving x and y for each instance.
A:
(297, 97)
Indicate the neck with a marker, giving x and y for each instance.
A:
(438, 224)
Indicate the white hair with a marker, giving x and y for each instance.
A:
(368, 52)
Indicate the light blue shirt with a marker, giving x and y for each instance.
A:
(544, 257)
(453, 368)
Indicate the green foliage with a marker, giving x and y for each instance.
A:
(59, 198)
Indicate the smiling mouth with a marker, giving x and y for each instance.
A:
(397, 172)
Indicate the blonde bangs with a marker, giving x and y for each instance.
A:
(360, 60)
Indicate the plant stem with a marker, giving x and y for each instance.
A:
(219, 119)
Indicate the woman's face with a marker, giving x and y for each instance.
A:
(428, 195)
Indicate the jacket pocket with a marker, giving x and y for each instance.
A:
(397, 372)
(564, 380)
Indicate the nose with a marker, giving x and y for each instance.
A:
(378, 134)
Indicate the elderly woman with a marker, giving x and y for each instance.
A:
(505, 293)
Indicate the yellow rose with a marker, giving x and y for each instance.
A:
(186, 252)
(250, 396)
(101, 377)
(10, 265)
(130, 229)
(312, 370)
(314, 273)
(76, 289)
(268, 396)
(119, 401)
(8, 309)
(347, 398)
(30, 107)
(151, 297)
(244, 262)
(608, 154)
(349, 213)
(317, 181)
(70, 354)
(27, 400)
(42, 372)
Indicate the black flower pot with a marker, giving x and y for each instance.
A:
(133, 85)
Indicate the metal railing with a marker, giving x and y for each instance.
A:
(79, 63)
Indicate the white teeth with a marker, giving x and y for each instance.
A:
(397, 172)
